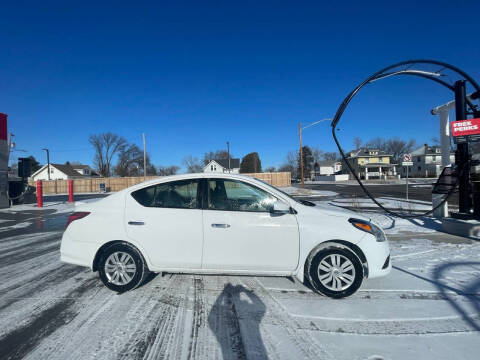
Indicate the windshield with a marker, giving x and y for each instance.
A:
(277, 189)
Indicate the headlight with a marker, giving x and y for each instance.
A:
(368, 227)
(379, 234)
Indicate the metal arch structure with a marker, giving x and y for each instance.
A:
(384, 73)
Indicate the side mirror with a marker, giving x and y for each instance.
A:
(279, 207)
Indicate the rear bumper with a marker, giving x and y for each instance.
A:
(77, 252)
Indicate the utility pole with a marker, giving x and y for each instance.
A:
(144, 158)
(48, 162)
(462, 156)
(301, 152)
(228, 152)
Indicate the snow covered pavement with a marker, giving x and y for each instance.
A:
(427, 308)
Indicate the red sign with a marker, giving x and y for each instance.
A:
(3, 126)
(466, 127)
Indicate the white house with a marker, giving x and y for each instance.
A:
(84, 170)
(325, 168)
(63, 172)
(221, 166)
(427, 162)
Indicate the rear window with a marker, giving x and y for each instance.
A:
(176, 194)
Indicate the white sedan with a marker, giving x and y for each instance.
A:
(223, 224)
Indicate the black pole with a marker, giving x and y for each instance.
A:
(462, 157)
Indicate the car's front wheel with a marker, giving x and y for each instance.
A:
(122, 267)
(335, 272)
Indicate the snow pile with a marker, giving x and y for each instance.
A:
(390, 224)
(387, 202)
(59, 207)
(294, 191)
(395, 225)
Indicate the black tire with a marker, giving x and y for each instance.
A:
(141, 271)
(324, 254)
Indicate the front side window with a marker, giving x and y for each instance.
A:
(238, 196)
(176, 194)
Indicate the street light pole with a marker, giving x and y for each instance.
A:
(48, 162)
(144, 158)
(10, 145)
(301, 147)
(301, 152)
(228, 152)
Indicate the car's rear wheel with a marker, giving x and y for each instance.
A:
(122, 267)
(335, 272)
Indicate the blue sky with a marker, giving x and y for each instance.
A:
(193, 75)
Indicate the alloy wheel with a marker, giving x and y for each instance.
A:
(336, 272)
(120, 268)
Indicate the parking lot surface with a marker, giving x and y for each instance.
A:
(427, 308)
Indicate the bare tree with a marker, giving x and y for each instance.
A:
(106, 145)
(167, 170)
(192, 164)
(398, 147)
(130, 161)
(330, 155)
(290, 164)
(288, 168)
(377, 143)
(269, 169)
(207, 157)
(317, 154)
(357, 142)
(435, 140)
(212, 155)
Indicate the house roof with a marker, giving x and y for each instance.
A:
(365, 152)
(327, 162)
(234, 163)
(66, 169)
(431, 150)
(80, 166)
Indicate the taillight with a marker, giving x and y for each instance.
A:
(76, 216)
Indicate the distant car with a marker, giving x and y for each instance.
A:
(223, 224)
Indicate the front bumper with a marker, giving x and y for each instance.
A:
(377, 254)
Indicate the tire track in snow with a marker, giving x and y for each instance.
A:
(197, 336)
(304, 344)
(17, 274)
(17, 250)
(223, 321)
(39, 283)
(18, 343)
(161, 340)
(30, 254)
(165, 339)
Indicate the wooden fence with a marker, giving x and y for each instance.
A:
(92, 185)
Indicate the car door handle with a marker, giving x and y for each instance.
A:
(136, 223)
(223, 226)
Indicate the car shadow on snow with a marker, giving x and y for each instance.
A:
(471, 290)
(470, 310)
(235, 320)
(427, 222)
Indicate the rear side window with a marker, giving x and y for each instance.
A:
(176, 194)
